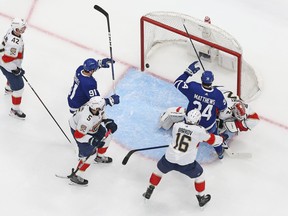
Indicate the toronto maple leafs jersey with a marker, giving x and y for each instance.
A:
(209, 102)
(83, 88)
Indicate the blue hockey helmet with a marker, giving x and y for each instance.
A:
(207, 77)
(90, 64)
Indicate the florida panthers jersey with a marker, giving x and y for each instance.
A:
(85, 124)
(209, 102)
(12, 50)
(185, 140)
(83, 88)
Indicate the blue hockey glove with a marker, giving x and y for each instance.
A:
(96, 143)
(104, 63)
(192, 69)
(18, 72)
(110, 125)
(114, 99)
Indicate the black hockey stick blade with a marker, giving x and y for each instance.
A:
(126, 158)
(101, 10)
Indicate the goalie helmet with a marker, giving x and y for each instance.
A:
(239, 111)
(207, 77)
(193, 117)
(19, 24)
(96, 102)
(90, 64)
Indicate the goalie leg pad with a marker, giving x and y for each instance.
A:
(171, 116)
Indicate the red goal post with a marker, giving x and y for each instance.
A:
(161, 27)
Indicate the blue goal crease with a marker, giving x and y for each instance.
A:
(143, 98)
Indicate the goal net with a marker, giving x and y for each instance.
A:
(165, 45)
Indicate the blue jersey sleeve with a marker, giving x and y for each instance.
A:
(84, 87)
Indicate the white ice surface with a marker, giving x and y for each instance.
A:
(60, 35)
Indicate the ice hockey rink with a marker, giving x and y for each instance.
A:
(60, 35)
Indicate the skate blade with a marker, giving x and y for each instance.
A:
(16, 117)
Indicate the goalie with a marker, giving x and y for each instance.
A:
(237, 117)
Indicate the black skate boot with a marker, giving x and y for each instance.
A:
(77, 179)
(103, 159)
(149, 191)
(17, 114)
(203, 199)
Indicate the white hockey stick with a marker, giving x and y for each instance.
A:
(241, 155)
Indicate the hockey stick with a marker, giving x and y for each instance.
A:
(193, 47)
(240, 155)
(74, 171)
(126, 158)
(101, 10)
(46, 108)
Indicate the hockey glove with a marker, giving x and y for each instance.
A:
(192, 69)
(18, 72)
(114, 99)
(110, 125)
(104, 63)
(96, 143)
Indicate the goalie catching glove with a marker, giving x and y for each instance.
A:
(234, 126)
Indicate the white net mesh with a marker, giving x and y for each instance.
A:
(162, 28)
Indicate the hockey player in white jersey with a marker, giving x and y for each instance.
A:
(181, 155)
(12, 52)
(237, 117)
(92, 132)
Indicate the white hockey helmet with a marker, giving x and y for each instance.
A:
(18, 23)
(96, 102)
(193, 117)
(239, 110)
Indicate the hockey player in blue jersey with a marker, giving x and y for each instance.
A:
(85, 85)
(203, 96)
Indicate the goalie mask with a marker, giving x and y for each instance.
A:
(193, 117)
(239, 111)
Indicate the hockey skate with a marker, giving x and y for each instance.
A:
(221, 154)
(149, 191)
(203, 200)
(103, 159)
(77, 179)
(17, 114)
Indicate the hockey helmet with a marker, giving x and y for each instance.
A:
(193, 117)
(207, 19)
(18, 23)
(96, 102)
(239, 110)
(90, 64)
(207, 77)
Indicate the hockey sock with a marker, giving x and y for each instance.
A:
(155, 179)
